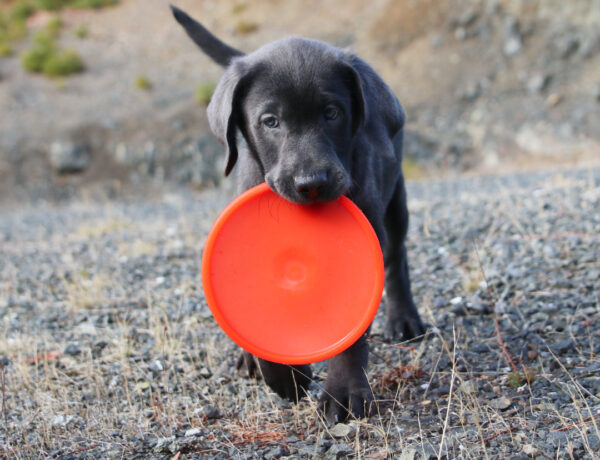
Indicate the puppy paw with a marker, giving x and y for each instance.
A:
(404, 328)
(345, 400)
(246, 365)
(289, 382)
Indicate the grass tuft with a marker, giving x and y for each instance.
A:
(63, 63)
(54, 26)
(142, 82)
(5, 49)
(45, 56)
(245, 28)
(81, 31)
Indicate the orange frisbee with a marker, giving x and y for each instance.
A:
(292, 283)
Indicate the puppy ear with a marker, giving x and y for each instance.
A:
(224, 109)
(382, 115)
(358, 98)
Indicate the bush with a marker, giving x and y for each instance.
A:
(5, 49)
(81, 31)
(204, 92)
(53, 5)
(34, 59)
(45, 57)
(96, 4)
(54, 25)
(21, 10)
(62, 63)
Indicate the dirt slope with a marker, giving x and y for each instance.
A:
(493, 84)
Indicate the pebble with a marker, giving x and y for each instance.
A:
(343, 430)
(468, 388)
(501, 403)
(67, 157)
(73, 349)
(209, 411)
(156, 366)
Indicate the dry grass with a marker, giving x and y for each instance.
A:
(149, 366)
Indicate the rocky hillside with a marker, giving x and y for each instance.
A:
(486, 84)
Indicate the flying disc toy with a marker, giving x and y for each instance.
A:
(292, 283)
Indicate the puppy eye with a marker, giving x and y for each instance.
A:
(270, 121)
(331, 112)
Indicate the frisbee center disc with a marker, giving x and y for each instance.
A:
(294, 272)
(295, 269)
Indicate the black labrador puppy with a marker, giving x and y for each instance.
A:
(316, 122)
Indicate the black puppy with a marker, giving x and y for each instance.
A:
(316, 122)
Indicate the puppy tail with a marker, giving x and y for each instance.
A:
(218, 51)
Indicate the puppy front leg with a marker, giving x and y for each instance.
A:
(347, 392)
(402, 317)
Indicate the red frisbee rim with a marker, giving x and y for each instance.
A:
(215, 247)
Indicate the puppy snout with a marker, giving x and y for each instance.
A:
(311, 186)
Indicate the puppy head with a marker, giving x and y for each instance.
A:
(301, 107)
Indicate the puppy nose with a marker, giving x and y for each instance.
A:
(311, 185)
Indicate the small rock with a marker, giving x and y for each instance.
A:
(562, 346)
(512, 37)
(556, 438)
(566, 44)
(466, 18)
(342, 430)
(470, 92)
(61, 420)
(468, 388)
(501, 403)
(275, 453)
(141, 387)
(554, 99)
(205, 373)
(456, 301)
(193, 432)
(538, 83)
(339, 450)
(209, 411)
(156, 366)
(73, 349)
(162, 444)
(408, 453)
(460, 33)
(67, 157)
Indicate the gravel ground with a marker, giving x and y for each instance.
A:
(108, 349)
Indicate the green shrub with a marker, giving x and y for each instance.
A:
(43, 39)
(14, 29)
(54, 25)
(142, 82)
(45, 57)
(21, 10)
(62, 63)
(81, 31)
(5, 49)
(34, 59)
(96, 4)
(204, 92)
(52, 5)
